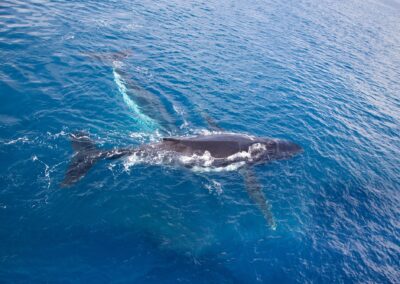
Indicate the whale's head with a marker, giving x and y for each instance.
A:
(287, 149)
(276, 149)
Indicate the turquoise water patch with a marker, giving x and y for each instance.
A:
(144, 122)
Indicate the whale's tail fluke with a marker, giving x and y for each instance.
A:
(85, 156)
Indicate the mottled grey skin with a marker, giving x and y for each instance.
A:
(225, 149)
(221, 147)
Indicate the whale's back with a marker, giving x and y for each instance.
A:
(219, 146)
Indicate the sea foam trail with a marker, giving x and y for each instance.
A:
(145, 122)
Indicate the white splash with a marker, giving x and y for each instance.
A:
(229, 168)
(56, 135)
(253, 152)
(145, 137)
(157, 158)
(196, 162)
(214, 186)
(180, 112)
(205, 160)
(207, 132)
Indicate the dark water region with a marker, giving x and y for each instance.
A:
(323, 74)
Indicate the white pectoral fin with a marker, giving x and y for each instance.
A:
(255, 192)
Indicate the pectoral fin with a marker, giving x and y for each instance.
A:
(254, 189)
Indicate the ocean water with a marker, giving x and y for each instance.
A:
(324, 74)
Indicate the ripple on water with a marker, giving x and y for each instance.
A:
(325, 75)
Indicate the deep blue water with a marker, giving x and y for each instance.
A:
(324, 74)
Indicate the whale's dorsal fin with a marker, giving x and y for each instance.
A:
(172, 139)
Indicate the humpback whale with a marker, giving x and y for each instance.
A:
(213, 151)
(217, 151)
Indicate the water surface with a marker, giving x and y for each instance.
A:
(325, 75)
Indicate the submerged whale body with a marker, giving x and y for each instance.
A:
(204, 151)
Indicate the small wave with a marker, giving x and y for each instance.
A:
(21, 140)
(181, 113)
(57, 135)
(68, 36)
(145, 137)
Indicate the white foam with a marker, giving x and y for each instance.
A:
(158, 158)
(146, 137)
(204, 160)
(180, 111)
(214, 186)
(133, 26)
(57, 135)
(253, 152)
(204, 163)
(21, 139)
(68, 36)
(229, 168)
(198, 163)
(47, 169)
(207, 132)
(117, 64)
